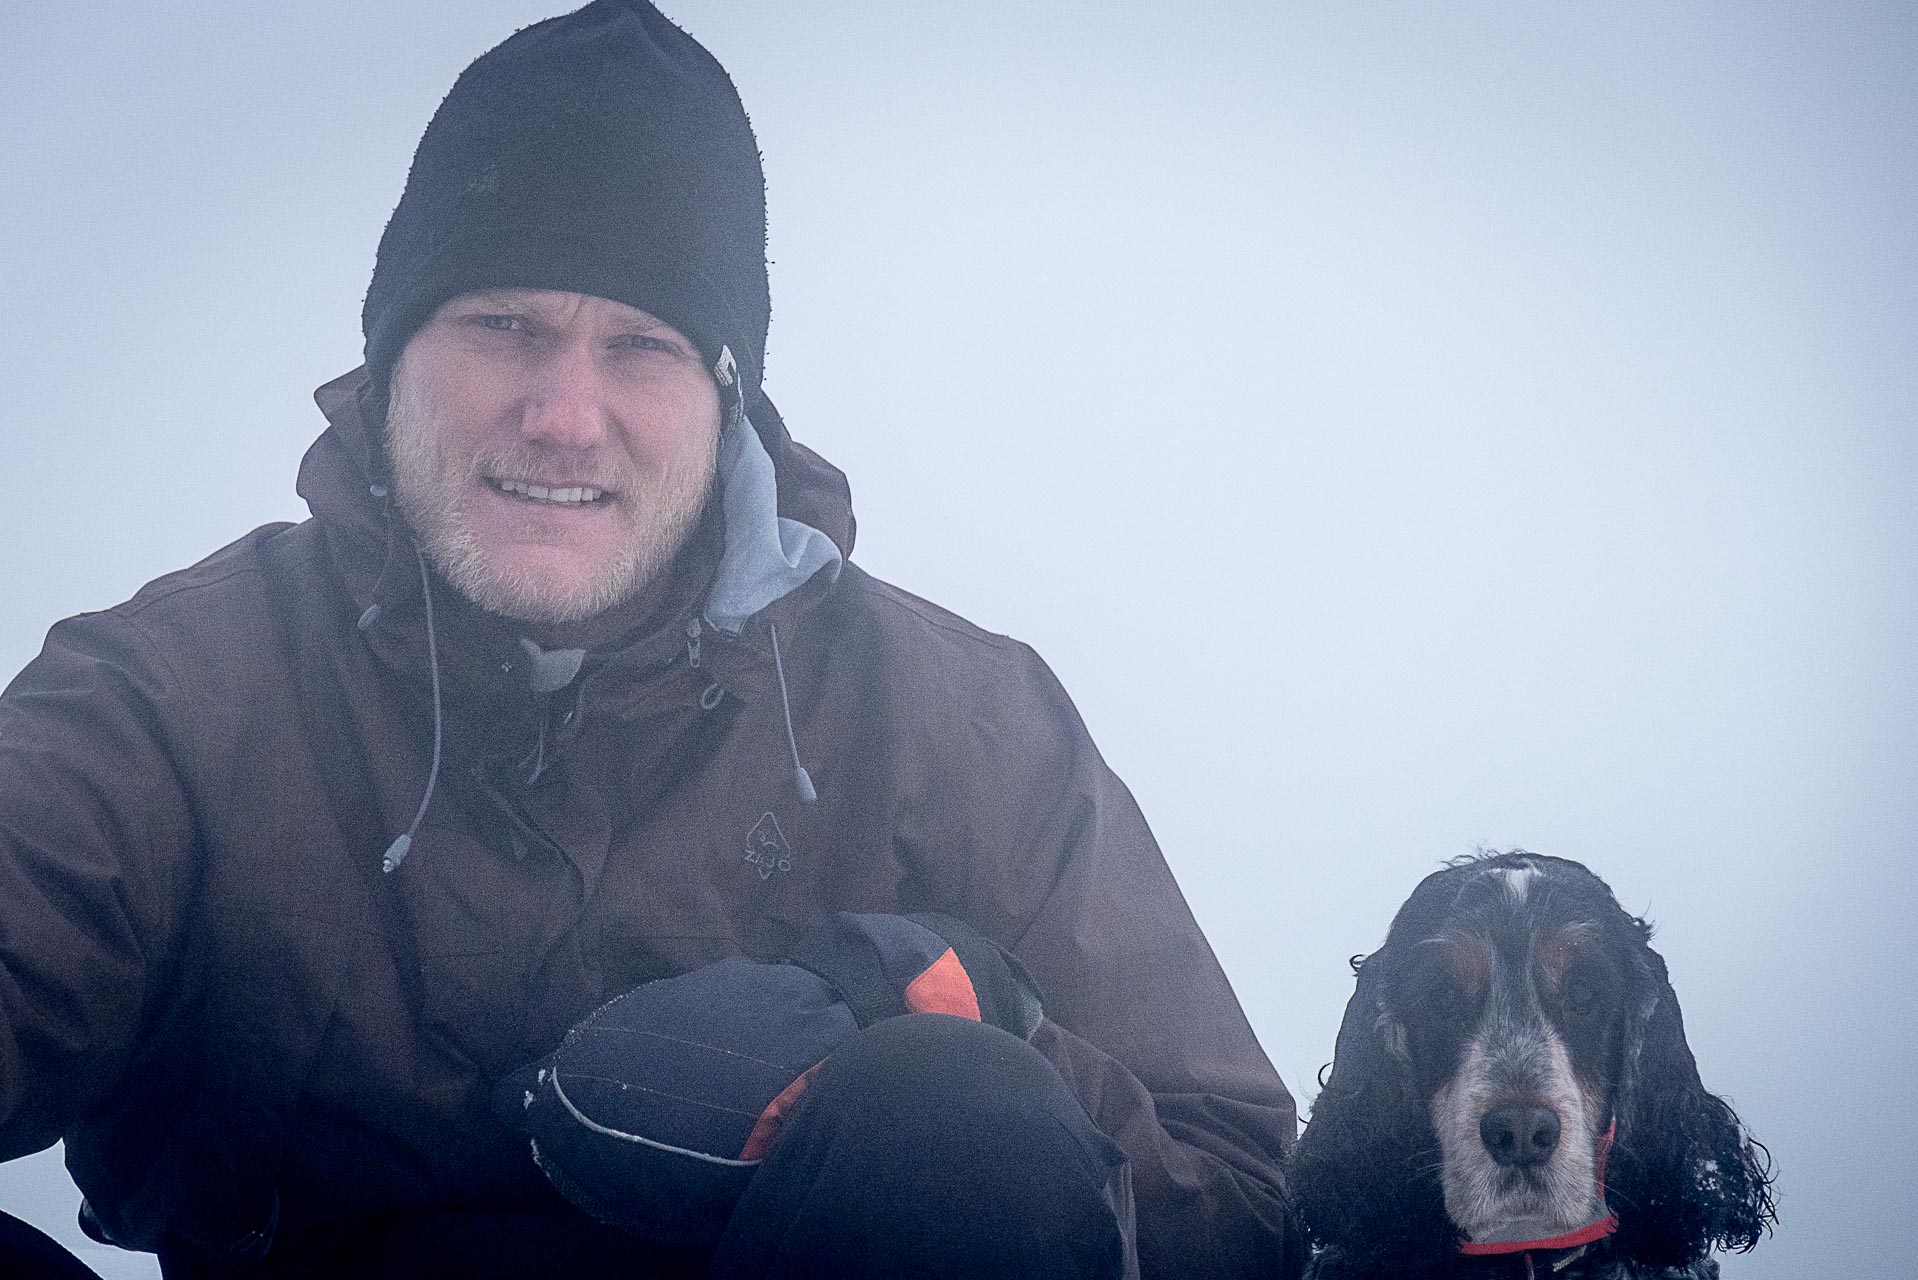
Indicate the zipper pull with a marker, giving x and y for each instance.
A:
(692, 642)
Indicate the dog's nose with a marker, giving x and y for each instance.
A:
(1519, 1135)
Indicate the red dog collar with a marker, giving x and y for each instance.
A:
(1570, 1240)
(1584, 1235)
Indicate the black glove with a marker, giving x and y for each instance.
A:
(654, 1111)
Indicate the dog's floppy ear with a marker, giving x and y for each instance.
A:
(1683, 1177)
(1365, 1173)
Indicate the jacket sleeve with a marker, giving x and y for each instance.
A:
(1140, 1019)
(93, 823)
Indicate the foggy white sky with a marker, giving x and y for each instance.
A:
(1403, 425)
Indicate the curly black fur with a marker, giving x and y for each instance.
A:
(1683, 1177)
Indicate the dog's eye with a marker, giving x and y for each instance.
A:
(1440, 994)
(1580, 996)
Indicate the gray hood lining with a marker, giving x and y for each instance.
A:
(767, 555)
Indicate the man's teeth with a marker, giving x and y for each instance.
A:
(578, 493)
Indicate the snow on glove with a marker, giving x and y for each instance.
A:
(652, 1113)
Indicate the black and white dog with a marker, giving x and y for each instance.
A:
(1512, 1095)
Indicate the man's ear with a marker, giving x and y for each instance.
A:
(374, 400)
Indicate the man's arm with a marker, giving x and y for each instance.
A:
(1208, 1195)
(1139, 1016)
(92, 819)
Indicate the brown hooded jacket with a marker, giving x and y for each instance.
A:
(256, 1044)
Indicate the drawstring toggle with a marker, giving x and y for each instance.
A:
(802, 781)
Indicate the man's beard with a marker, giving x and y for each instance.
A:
(431, 484)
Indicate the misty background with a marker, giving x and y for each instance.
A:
(1404, 426)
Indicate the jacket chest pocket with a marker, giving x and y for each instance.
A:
(499, 972)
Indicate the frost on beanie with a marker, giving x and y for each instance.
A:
(602, 152)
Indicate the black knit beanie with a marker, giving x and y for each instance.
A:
(602, 152)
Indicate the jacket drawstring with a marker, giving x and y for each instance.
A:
(568, 661)
(802, 782)
(396, 852)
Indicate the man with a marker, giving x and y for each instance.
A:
(569, 685)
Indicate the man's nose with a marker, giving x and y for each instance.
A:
(564, 398)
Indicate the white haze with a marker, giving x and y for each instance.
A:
(1404, 426)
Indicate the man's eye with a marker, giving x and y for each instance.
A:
(502, 324)
(644, 342)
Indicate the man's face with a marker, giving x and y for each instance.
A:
(552, 450)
